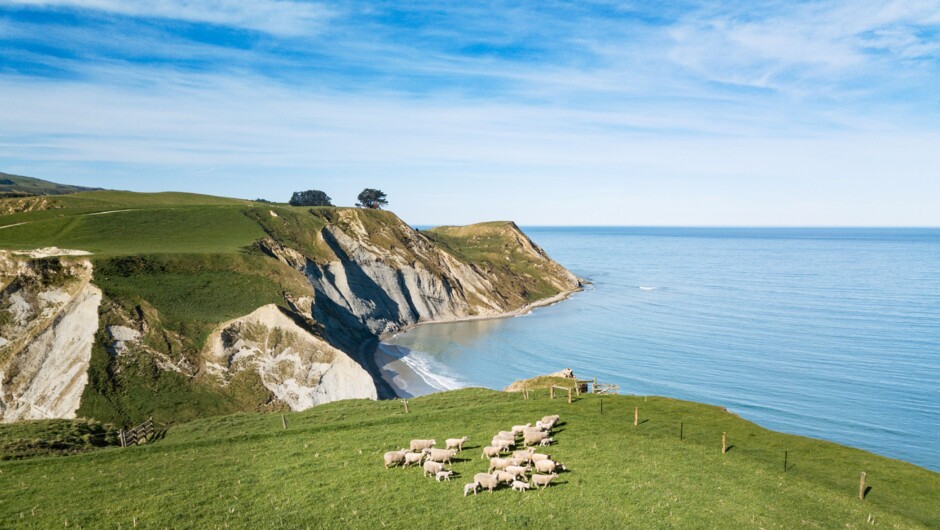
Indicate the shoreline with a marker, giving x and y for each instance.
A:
(403, 379)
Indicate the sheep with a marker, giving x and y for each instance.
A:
(524, 455)
(456, 443)
(432, 468)
(532, 439)
(441, 455)
(504, 476)
(517, 429)
(486, 481)
(506, 435)
(444, 475)
(473, 486)
(548, 466)
(503, 443)
(533, 430)
(546, 442)
(501, 463)
(393, 458)
(417, 445)
(491, 452)
(541, 426)
(553, 419)
(543, 481)
(518, 471)
(520, 486)
(537, 457)
(414, 458)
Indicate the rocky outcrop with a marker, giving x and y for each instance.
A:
(299, 368)
(48, 321)
(389, 276)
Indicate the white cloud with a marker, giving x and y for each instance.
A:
(279, 17)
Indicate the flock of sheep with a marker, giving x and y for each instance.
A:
(521, 471)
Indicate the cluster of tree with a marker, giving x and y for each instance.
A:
(369, 198)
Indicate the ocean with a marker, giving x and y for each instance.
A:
(826, 332)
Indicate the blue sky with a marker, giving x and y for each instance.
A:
(593, 112)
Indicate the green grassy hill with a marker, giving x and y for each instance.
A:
(18, 186)
(325, 471)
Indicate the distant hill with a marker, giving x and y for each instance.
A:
(19, 186)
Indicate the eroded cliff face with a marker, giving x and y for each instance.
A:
(299, 368)
(48, 321)
(387, 276)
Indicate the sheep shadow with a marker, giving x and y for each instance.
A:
(865, 493)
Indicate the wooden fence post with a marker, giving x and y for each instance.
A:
(569, 395)
(552, 392)
(123, 440)
(405, 403)
(861, 486)
(681, 429)
(283, 422)
(636, 416)
(724, 443)
(602, 407)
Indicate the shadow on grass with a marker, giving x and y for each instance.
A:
(865, 493)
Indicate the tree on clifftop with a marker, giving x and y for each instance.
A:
(310, 198)
(370, 198)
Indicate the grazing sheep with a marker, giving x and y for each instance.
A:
(551, 419)
(491, 452)
(541, 426)
(520, 486)
(538, 457)
(456, 443)
(473, 486)
(393, 458)
(417, 445)
(432, 468)
(533, 430)
(504, 476)
(548, 466)
(501, 463)
(505, 445)
(413, 458)
(442, 455)
(518, 471)
(506, 435)
(547, 442)
(517, 429)
(524, 455)
(542, 481)
(486, 481)
(444, 475)
(532, 438)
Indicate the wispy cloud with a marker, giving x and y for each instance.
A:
(279, 17)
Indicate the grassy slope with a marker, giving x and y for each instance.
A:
(325, 470)
(18, 186)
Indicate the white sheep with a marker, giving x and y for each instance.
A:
(456, 443)
(524, 455)
(501, 463)
(546, 442)
(548, 466)
(505, 445)
(393, 458)
(532, 438)
(504, 476)
(417, 445)
(491, 452)
(520, 486)
(518, 471)
(444, 475)
(543, 481)
(432, 468)
(486, 481)
(441, 455)
(517, 429)
(473, 486)
(541, 426)
(538, 457)
(414, 458)
(506, 435)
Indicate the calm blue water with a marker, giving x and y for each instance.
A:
(830, 333)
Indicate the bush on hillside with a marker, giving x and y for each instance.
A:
(310, 198)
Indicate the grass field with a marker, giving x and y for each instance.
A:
(325, 471)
